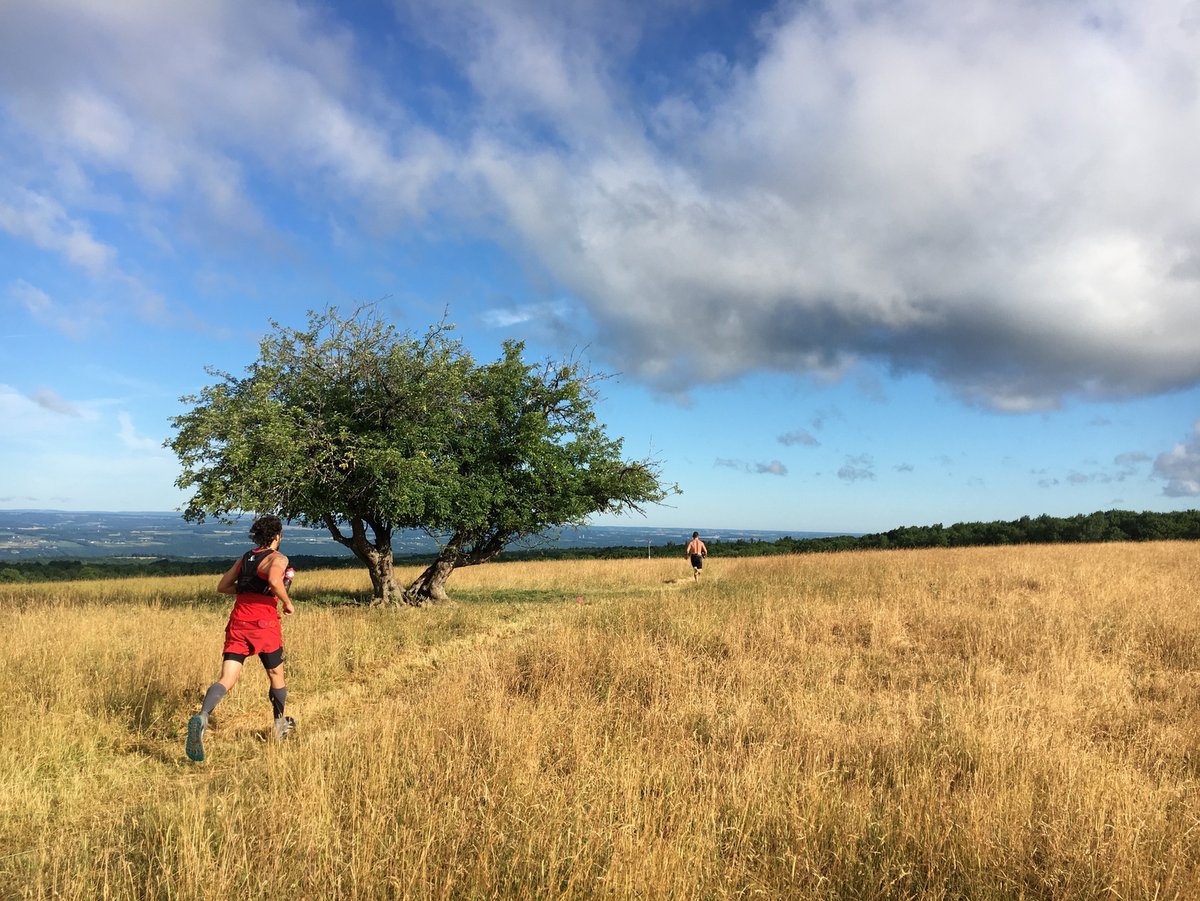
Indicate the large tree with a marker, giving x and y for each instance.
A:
(351, 425)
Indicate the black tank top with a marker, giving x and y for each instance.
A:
(248, 580)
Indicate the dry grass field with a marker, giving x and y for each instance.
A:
(976, 724)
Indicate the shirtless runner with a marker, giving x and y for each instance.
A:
(696, 551)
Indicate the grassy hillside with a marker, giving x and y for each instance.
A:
(982, 723)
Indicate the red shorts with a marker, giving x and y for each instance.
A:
(253, 626)
(260, 636)
(253, 631)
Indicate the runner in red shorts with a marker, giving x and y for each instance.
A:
(258, 581)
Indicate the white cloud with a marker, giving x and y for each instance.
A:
(509, 316)
(181, 98)
(35, 301)
(1180, 467)
(989, 193)
(41, 220)
(65, 453)
(996, 194)
(149, 117)
(74, 322)
(68, 477)
(131, 439)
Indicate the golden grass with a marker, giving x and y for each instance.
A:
(983, 723)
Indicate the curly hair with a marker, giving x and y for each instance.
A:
(265, 529)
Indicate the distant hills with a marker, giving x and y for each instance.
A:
(56, 535)
(30, 536)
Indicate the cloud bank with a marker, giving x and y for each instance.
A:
(999, 195)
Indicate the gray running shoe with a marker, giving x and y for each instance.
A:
(195, 737)
(283, 727)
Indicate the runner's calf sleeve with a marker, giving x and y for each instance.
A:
(212, 698)
(278, 698)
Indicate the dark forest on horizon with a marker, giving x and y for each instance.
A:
(1110, 525)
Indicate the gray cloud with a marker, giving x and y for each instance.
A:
(773, 468)
(1124, 467)
(1131, 458)
(824, 416)
(48, 399)
(1180, 467)
(798, 437)
(857, 468)
(1094, 477)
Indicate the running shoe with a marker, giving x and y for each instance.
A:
(283, 727)
(195, 738)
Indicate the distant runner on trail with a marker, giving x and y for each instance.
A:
(697, 552)
(259, 579)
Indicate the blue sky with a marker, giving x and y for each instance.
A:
(855, 265)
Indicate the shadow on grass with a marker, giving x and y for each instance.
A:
(327, 599)
(330, 599)
(465, 596)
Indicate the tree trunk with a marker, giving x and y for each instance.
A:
(377, 557)
(430, 586)
(462, 549)
(384, 590)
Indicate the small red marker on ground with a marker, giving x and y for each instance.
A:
(580, 600)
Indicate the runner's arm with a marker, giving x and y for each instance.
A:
(274, 578)
(228, 583)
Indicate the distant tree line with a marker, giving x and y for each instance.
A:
(1110, 525)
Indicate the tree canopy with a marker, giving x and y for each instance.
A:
(352, 425)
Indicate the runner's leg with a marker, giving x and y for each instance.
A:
(273, 663)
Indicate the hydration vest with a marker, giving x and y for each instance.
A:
(248, 580)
